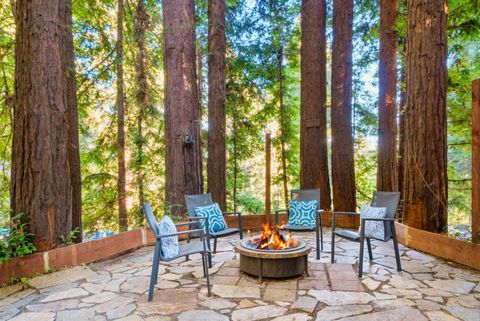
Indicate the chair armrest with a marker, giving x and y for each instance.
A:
(185, 224)
(197, 218)
(280, 211)
(201, 231)
(232, 213)
(345, 213)
(379, 219)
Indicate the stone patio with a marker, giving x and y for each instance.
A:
(428, 289)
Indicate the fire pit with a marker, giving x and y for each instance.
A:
(274, 254)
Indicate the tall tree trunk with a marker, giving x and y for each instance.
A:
(122, 172)
(387, 110)
(343, 165)
(142, 97)
(425, 160)
(283, 125)
(216, 163)
(183, 165)
(41, 177)
(73, 137)
(313, 127)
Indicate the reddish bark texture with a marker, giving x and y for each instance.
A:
(313, 127)
(216, 162)
(425, 158)
(387, 109)
(343, 166)
(476, 161)
(182, 110)
(44, 144)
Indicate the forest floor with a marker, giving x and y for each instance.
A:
(429, 288)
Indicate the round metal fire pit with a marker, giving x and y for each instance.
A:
(273, 263)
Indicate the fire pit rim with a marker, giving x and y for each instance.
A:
(274, 254)
(301, 245)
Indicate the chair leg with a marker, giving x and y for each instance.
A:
(203, 265)
(333, 248)
(369, 246)
(318, 245)
(395, 246)
(215, 246)
(153, 276)
(321, 234)
(206, 273)
(360, 257)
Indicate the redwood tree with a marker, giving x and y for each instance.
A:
(425, 137)
(343, 166)
(183, 165)
(313, 127)
(216, 162)
(387, 110)
(42, 175)
(121, 179)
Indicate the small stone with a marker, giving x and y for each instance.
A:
(164, 284)
(182, 269)
(301, 292)
(231, 291)
(341, 297)
(426, 305)
(218, 304)
(456, 286)
(305, 303)
(258, 313)
(67, 294)
(371, 284)
(121, 311)
(440, 316)
(294, 317)
(37, 316)
(341, 311)
(171, 276)
(438, 299)
(201, 315)
(225, 311)
(423, 276)
(246, 304)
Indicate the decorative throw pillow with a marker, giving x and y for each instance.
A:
(169, 244)
(216, 221)
(303, 213)
(375, 229)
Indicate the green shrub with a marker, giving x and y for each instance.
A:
(18, 242)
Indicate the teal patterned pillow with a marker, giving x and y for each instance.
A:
(375, 229)
(303, 213)
(216, 221)
(169, 244)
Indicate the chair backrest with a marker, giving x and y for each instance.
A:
(192, 201)
(305, 195)
(390, 200)
(152, 221)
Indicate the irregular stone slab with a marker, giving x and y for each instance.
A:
(465, 314)
(170, 301)
(181, 269)
(371, 284)
(114, 285)
(440, 316)
(201, 315)
(236, 292)
(467, 301)
(224, 279)
(67, 294)
(6, 291)
(435, 292)
(218, 304)
(37, 316)
(258, 313)
(349, 285)
(54, 306)
(100, 297)
(313, 284)
(79, 314)
(409, 266)
(132, 317)
(119, 301)
(341, 297)
(274, 294)
(120, 311)
(18, 299)
(423, 276)
(401, 282)
(136, 284)
(456, 286)
(427, 305)
(382, 305)
(164, 284)
(411, 294)
(402, 314)
(246, 304)
(93, 287)
(305, 303)
(293, 317)
(341, 311)
(170, 276)
(60, 277)
(283, 284)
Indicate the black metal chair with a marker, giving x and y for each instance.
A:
(193, 201)
(390, 200)
(306, 195)
(184, 250)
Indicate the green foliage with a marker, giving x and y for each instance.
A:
(70, 238)
(18, 242)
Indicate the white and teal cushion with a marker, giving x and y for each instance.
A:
(303, 213)
(216, 221)
(375, 229)
(170, 246)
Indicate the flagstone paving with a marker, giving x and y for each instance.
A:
(429, 288)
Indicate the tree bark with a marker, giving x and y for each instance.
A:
(143, 98)
(425, 159)
(183, 166)
(387, 109)
(73, 136)
(41, 175)
(216, 162)
(343, 166)
(122, 175)
(313, 125)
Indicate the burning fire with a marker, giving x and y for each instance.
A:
(273, 239)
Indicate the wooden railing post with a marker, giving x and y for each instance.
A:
(476, 161)
(268, 174)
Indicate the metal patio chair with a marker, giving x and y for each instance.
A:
(390, 200)
(198, 200)
(306, 195)
(184, 250)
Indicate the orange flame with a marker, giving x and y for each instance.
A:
(273, 239)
